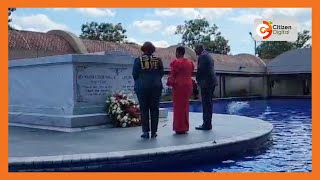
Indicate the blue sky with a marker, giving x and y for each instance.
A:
(158, 24)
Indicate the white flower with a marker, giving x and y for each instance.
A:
(125, 117)
(124, 125)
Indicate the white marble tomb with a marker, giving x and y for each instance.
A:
(67, 91)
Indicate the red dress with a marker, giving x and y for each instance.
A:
(181, 82)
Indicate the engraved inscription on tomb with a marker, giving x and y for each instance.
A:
(95, 82)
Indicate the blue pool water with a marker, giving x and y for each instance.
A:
(291, 146)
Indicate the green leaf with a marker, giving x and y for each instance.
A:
(271, 49)
(103, 31)
(198, 31)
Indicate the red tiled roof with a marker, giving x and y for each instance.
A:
(49, 42)
(99, 46)
(39, 41)
(249, 60)
(167, 55)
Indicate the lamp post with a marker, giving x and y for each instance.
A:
(255, 44)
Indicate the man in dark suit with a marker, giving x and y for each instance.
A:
(207, 82)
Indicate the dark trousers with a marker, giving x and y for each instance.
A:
(207, 105)
(149, 107)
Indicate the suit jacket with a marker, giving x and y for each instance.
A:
(206, 76)
(147, 73)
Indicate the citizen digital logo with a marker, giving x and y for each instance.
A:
(281, 29)
(275, 30)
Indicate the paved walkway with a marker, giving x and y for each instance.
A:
(25, 142)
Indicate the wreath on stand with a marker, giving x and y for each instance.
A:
(123, 111)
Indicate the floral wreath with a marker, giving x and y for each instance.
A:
(123, 111)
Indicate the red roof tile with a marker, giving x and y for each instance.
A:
(39, 41)
(48, 42)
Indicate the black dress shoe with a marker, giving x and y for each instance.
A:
(154, 135)
(204, 128)
(145, 135)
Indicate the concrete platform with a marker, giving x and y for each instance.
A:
(122, 149)
(73, 123)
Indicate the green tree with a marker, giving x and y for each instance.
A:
(303, 38)
(103, 31)
(199, 31)
(271, 49)
(10, 10)
(218, 45)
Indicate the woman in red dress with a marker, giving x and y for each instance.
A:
(181, 82)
